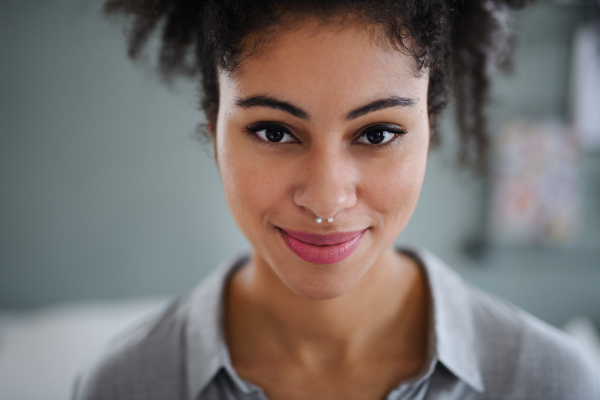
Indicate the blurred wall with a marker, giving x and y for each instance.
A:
(105, 193)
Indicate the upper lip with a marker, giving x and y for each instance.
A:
(323, 240)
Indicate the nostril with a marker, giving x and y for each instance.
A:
(324, 204)
(324, 190)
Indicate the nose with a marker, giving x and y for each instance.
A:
(327, 184)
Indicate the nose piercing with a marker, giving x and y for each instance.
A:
(319, 220)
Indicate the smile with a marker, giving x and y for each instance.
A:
(322, 249)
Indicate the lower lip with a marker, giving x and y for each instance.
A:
(330, 254)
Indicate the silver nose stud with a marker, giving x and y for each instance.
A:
(319, 220)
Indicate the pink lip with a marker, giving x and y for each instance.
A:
(322, 249)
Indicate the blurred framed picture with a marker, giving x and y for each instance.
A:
(535, 185)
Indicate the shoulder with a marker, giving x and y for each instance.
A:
(144, 362)
(521, 356)
(509, 353)
(177, 351)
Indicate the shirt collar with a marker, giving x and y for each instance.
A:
(453, 334)
(454, 331)
(205, 341)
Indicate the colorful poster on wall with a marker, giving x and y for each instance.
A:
(535, 185)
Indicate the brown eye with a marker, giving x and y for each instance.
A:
(379, 134)
(272, 133)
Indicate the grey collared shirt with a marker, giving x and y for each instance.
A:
(480, 348)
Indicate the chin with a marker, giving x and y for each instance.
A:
(321, 281)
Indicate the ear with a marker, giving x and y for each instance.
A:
(434, 138)
(212, 134)
(211, 127)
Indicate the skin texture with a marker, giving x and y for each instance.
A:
(352, 329)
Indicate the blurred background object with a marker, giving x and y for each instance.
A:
(42, 350)
(106, 197)
(535, 186)
(586, 84)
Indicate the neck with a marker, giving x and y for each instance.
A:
(387, 304)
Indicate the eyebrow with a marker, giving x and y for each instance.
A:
(266, 101)
(380, 105)
(270, 102)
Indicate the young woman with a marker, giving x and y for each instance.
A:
(322, 115)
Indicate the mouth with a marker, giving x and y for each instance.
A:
(322, 249)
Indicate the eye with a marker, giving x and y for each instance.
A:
(379, 134)
(272, 133)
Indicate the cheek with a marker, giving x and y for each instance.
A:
(253, 188)
(393, 188)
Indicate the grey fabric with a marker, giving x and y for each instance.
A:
(480, 348)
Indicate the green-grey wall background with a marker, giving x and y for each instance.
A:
(105, 193)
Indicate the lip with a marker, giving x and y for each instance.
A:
(322, 249)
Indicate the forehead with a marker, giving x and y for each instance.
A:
(333, 63)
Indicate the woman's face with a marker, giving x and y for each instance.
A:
(326, 121)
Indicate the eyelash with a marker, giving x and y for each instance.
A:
(393, 129)
(254, 129)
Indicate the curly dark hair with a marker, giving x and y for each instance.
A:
(456, 40)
